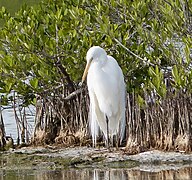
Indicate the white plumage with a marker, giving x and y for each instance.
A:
(107, 94)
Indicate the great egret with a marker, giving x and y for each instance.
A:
(107, 94)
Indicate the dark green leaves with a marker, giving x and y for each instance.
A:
(36, 40)
(157, 81)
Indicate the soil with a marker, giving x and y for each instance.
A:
(85, 157)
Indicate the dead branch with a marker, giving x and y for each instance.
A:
(75, 93)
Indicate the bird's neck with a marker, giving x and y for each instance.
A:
(102, 61)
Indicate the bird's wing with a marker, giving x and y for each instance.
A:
(94, 128)
(120, 94)
(121, 115)
(97, 118)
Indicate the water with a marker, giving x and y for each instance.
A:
(96, 174)
(10, 122)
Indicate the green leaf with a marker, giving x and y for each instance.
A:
(187, 53)
(8, 86)
(175, 73)
(141, 101)
(151, 72)
(34, 83)
(3, 9)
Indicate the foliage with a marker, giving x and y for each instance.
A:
(37, 40)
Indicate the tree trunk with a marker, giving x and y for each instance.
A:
(2, 130)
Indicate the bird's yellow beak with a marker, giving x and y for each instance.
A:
(86, 71)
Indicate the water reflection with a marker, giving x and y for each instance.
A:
(97, 174)
(181, 174)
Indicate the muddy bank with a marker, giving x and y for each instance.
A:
(83, 157)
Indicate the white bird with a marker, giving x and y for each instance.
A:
(106, 88)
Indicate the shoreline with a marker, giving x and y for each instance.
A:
(85, 157)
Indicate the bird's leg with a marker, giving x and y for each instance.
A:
(107, 121)
(117, 141)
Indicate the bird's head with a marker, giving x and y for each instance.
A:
(94, 54)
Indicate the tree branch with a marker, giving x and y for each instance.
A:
(132, 53)
(59, 64)
(75, 93)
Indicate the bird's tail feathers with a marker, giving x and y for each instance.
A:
(122, 127)
(94, 127)
(122, 121)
